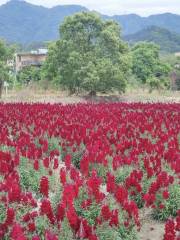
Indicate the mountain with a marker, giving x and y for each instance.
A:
(133, 23)
(168, 41)
(25, 23)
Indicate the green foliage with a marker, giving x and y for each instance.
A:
(77, 156)
(147, 66)
(175, 64)
(49, 69)
(92, 212)
(21, 210)
(42, 223)
(5, 54)
(122, 173)
(89, 56)
(29, 74)
(158, 83)
(171, 205)
(56, 196)
(65, 231)
(105, 232)
(178, 81)
(127, 233)
(29, 178)
(2, 212)
(101, 170)
(53, 143)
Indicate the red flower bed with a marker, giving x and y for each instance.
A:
(86, 165)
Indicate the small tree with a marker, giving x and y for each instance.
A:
(90, 55)
(49, 71)
(5, 54)
(147, 66)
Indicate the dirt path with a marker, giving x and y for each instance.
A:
(28, 95)
(151, 229)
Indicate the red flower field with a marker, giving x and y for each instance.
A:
(86, 171)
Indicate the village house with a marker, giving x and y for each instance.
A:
(33, 58)
(177, 54)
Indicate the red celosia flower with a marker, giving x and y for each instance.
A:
(165, 195)
(110, 183)
(60, 212)
(63, 176)
(46, 209)
(93, 237)
(86, 203)
(46, 162)
(81, 233)
(105, 212)
(93, 184)
(14, 193)
(44, 186)
(149, 199)
(50, 236)
(121, 194)
(10, 215)
(36, 165)
(114, 218)
(178, 223)
(26, 217)
(169, 230)
(36, 238)
(17, 233)
(31, 227)
(84, 165)
(56, 163)
(68, 161)
(69, 194)
(161, 206)
(73, 218)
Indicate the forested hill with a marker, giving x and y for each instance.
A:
(168, 41)
(22, 22)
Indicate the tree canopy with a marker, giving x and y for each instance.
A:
(90, 55)
(147, 66)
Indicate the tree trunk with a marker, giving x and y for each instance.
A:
(1, 88)
(92, 93)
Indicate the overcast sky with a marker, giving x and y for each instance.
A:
(110, 7)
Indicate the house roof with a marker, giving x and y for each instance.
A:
(39, 52)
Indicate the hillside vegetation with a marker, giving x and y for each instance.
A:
(167, 40)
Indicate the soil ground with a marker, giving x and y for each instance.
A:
(32, 95)
(150, 229)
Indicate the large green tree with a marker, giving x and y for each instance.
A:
(147, 66)
(90, 55)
